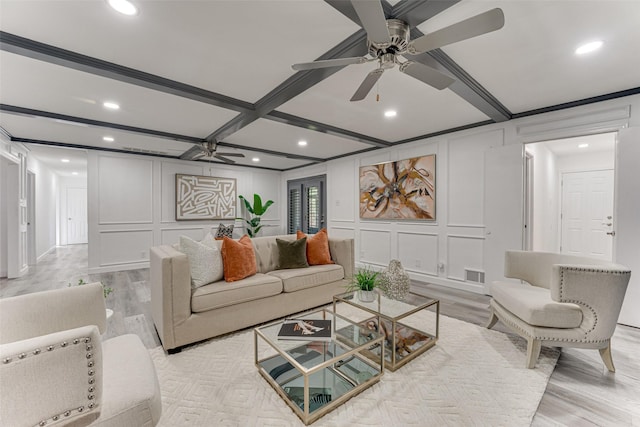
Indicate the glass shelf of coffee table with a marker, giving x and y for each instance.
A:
(314, 377)
(412, 324)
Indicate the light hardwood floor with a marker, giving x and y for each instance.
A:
(581, 392)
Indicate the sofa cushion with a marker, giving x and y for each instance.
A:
(534, 305)
(292, 254)
(222, 294)
(205, 259)
(131, 393)
(238, 258)
(318, 252)
(302, 278)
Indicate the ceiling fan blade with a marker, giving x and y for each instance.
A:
(224, 159)
(231, 154)
(483, 23)
(426, 75)
(367, 84)
(324, 63)
(191, 152)
(372, 19)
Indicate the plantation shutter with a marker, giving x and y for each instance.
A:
(295, 209)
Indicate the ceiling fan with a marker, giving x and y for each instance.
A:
(389, 39)
(209, 151)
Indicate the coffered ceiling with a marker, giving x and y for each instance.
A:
(184, 72)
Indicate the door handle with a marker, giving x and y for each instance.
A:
(611, 233)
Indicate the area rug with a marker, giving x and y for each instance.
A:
(472, 377)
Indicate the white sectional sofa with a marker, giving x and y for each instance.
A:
(184, 315)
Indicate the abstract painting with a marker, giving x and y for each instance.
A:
(205, 197)
(404, 189)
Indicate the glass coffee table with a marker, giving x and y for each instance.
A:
(413, 324)
(314, 377)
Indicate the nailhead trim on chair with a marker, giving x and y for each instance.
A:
(526, 334)
(91, 372)
(588, 270)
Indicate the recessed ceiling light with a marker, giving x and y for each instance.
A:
(124, 6)
(108, 138)
(65, 160)
(302, 143)
(74, 173)
(255, 159)
(589, 47)
(111, 105)
(390, 113)
(583, 145)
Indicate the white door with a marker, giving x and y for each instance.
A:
(503, 207)
(587, 214)
(76, 216)
(627, 217)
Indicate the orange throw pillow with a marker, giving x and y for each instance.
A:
(238, 258)
(317, 247)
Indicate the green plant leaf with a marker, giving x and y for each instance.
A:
(247, 205)
(257, 204)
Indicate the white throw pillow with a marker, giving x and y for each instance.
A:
(205, 260)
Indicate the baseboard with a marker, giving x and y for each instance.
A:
(118, 267)
(426, 278)
(47, 252)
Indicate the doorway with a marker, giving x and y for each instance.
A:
(586, 216)
(77, 224)
(572, 184)
(31, 218)
(307, 209)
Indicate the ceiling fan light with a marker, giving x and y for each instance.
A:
(589, 47)
(124, 6)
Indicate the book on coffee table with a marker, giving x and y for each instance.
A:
(305, 329)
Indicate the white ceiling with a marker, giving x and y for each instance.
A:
(244, 50)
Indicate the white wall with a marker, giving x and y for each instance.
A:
(46, 206)
(546, 195)
(64, 184)
(598, 160)
(3, 217)
(131, 205)
(456, 239)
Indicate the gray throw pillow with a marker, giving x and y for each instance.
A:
(292, 254)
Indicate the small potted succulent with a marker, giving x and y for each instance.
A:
(364, 282)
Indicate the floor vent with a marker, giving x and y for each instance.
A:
(474, 276)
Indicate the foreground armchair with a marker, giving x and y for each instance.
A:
(568, 301)
(56, 370)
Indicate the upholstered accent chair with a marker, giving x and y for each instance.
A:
(567, 301)
(55, 369)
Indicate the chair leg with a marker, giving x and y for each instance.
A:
(533, 351)
(605, 354)
(493, 319)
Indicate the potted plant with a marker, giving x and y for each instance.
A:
(257, 210)
(364, 282)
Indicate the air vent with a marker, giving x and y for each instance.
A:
(139, 150)
(475, 276)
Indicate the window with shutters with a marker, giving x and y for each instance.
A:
(307, 207)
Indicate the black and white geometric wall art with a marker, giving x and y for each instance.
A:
(205, 198)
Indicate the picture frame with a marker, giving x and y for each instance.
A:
(402, 189)
(201, 197)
